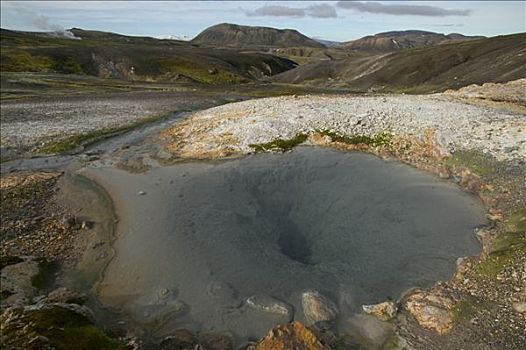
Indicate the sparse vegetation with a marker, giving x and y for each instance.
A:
(63, 328)
(280, 144)
(420, 70)
(517, 221)
(467, 308)
(134, 58)
(475, 161)
(23, 61)
(284, 145)
(72, 142)
(505, 250)
(197, 72)
(378, 140)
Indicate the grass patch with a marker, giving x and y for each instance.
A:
(475, 161)
(517, 221)
(505, 249)
(75, 141)
(379, 140)
(280, 144)
(467, 308)
(23, 61)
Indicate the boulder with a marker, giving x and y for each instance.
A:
(431, 311)
(16, 281)
(269, 304)
(317, 307)
(383, 311)
(291, 336)
(223, 294)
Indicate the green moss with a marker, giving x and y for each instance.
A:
(74, 141)
(46, 274)
(517, 221)
(9, 260)
(467, 308)
(66, 329)
(280, 144)
(505, 250)
(378, 140)
(510, 243)
(475, 161)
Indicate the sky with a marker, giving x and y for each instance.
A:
(330, 20)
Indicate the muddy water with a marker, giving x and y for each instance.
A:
(195, 240)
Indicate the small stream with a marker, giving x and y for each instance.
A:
(96, 149)
(196, 239)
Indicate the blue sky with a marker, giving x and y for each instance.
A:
(332, 20)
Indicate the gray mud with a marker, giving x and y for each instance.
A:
(195, 240)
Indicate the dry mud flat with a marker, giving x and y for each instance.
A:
(482, 148)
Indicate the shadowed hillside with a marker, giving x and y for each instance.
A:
(428, 69)
(109, 55)
(233, 35)
(399, 40)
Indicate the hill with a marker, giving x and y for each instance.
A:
(399, 40)
(110, 55)
(426, 69)
(233, 35)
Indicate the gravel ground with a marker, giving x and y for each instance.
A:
(458, 125)
(27, 125)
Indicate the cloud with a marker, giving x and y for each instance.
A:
(278, 11)
(321, 11)
(447, 25)
(396, 9)
(314, 11)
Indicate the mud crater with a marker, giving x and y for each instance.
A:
(350, 225)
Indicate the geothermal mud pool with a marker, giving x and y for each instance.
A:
(197, 239)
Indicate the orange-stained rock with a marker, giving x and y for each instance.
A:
(291, 336)
(431, 310)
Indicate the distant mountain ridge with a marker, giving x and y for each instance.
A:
(233, 35)
(111, 55)
(425, 69)
(399, 40)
